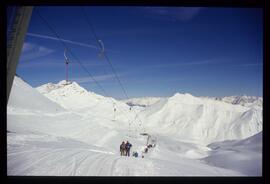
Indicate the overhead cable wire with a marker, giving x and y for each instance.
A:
(108, 60)
(104, 53)
(72, 54)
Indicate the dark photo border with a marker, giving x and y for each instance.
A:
(183, 180)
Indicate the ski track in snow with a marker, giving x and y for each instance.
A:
(84, 162)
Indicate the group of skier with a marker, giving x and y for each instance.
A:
(125, 148)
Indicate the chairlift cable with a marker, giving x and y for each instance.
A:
(101, 46)
(73, 55)
(104, 53)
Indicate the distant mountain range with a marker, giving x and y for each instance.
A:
(247, 101)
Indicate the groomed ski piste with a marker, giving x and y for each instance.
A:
(65, 130)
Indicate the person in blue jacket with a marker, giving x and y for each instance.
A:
(128, 146)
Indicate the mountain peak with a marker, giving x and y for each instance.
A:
(70, 95)
(70, 87)
(184, 97)
(64, 82)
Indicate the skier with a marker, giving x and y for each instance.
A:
(122, 149)
(128, 146)
(146, 150)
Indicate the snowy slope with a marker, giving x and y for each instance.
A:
(201, 120)
(21, 93)
(46, 155)
(84, 138)
(241, 155)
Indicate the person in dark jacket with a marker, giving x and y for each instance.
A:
(123, 148)
(128, 146)
(135, 154)
(146, 150)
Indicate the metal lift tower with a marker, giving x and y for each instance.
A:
(66, 62)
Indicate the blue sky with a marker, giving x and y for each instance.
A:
(156, 51)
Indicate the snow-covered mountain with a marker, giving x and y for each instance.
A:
(244, 100)
(67, 130)
(201, 120)
(187, 117)
(74, 97)
(69, 96)
(182, 115)
(247, 101)
(144, 101)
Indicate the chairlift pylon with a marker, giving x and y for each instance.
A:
(66, 62)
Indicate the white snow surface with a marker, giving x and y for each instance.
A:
(24, 97)
(241, 155)
(65, 130)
